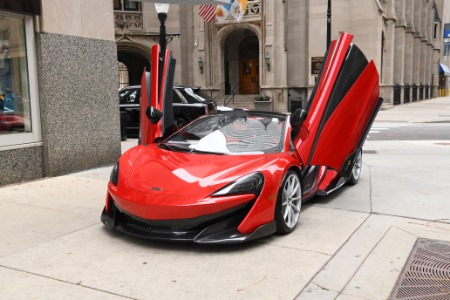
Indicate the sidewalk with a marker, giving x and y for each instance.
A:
(350, 245)
(435, 110)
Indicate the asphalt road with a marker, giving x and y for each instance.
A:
(387, 131)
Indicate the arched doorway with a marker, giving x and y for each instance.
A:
(135, 57)
(241, 62)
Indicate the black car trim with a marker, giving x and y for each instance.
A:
(219, 228)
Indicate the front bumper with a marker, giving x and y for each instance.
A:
(219, 228)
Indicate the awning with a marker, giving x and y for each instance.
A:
(444, 70)
(212, 2)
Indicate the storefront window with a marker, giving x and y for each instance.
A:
(18, 94)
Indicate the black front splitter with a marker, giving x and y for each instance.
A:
(223, 231)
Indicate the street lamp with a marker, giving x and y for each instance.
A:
(162, 9)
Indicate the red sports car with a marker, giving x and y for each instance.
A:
(234, 176)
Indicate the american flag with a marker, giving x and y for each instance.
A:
(207, 12)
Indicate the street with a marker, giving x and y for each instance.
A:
(409, 131)
(352, 244)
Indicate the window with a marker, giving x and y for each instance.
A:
(19, 111)
(117, 4)
(128, 5)
(123, 75)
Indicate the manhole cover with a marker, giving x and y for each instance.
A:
(426, 274)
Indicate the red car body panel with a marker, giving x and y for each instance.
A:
(343, 130)
(143, 105)
(155, 129)
(188, 193)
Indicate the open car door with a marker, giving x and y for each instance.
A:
(156, 108)
(341, 110)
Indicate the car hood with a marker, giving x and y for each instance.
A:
(179, 173)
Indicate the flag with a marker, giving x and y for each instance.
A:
(222, 12)
(238, 9)
(207, 12)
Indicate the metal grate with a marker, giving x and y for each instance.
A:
(426, 274)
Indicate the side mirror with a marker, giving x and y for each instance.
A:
(298, 117)
(153, 114)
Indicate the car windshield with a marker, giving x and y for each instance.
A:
(231, 132)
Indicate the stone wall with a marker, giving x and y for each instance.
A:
(78, 101)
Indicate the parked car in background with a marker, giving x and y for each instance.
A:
(11, 122)
(189, 103)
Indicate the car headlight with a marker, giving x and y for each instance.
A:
(115, 174)
(250, 184)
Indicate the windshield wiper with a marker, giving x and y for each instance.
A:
(206, 152)
(174, 148)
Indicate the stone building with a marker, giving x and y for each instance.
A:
(277, 47)
(58, 88)
(59, 62)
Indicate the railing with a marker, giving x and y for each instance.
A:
(230, 98)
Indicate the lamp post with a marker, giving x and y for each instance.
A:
(329, 24)
(162, 9)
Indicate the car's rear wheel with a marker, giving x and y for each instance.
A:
(356, 171)
(289, 203)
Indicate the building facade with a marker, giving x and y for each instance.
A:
(58, 88)
(61, 63)
(277, 48)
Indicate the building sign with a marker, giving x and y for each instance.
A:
(316, 65)
(29, 7)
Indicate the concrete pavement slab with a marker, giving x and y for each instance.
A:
(368, 265)
(273, 268)
(69, 193)
(21, 285)
(409, 179)
(105, 261)
(25, 226)
(321, 230)
(376, 277)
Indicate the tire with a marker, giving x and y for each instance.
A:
(289, 202)
(356, 170)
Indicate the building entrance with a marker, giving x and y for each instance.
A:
(241, 62)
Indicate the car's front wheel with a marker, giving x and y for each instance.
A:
(289, 203)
